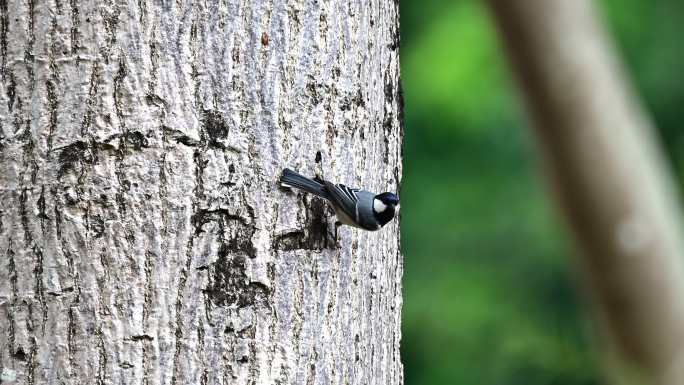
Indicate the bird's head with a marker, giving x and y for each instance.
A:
(385, 206)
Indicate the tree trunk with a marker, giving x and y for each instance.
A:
(143, 236)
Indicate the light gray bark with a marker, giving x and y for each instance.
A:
(143, 238)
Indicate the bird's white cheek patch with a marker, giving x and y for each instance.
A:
(378, 206)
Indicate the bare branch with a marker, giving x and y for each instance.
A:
(609, 175)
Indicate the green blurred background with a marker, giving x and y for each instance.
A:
(490, 294)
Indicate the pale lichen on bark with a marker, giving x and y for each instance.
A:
(143, 237)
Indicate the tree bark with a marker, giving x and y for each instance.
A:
(143, 237)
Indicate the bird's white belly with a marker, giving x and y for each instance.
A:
(345, 219)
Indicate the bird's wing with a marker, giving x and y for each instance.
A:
(345, 198)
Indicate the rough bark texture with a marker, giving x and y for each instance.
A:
(143, 238)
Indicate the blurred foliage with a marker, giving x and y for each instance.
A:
(489, 295)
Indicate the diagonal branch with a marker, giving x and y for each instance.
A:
(609, 175)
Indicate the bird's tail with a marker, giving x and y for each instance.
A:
(291, 178)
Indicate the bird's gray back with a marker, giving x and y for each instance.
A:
(365, 209)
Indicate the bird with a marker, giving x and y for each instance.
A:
(354, 207)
